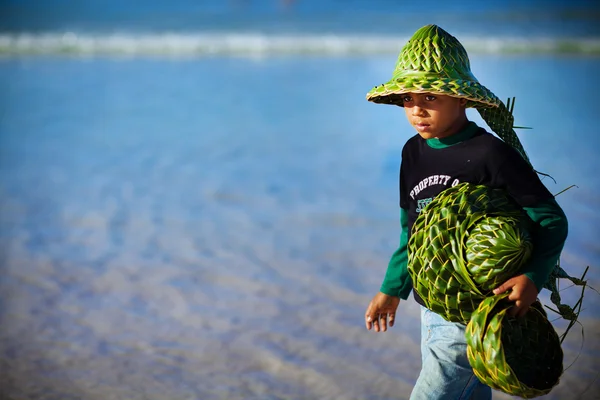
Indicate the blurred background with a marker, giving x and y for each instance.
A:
(197, 201)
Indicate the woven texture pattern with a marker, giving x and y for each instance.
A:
(521, 356)
(465, 243)
(433, 61)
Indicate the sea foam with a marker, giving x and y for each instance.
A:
(259, 44)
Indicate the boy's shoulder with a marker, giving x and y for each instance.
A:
(494, 150)
(486, 138)
(480, 137)
(491, 142)
(413, 139)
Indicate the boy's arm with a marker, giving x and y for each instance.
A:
(550, 223)
(548, 240)
(397, 281)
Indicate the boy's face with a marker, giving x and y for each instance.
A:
(435, 115)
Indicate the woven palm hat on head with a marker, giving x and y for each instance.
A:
(433, 61)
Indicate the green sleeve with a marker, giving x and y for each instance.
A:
(549, 237)
(397, 281)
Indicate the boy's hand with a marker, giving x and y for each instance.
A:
(381, 312)
(523, 293)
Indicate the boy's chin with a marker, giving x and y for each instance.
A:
(425, 131)
(427, 135)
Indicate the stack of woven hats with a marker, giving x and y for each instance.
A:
(466, 242)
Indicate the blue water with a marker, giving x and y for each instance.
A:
(498, 16)
(213, 227)
(274, 27)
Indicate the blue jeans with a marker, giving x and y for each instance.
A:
(446, 373)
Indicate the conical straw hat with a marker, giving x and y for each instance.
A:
(433, 61)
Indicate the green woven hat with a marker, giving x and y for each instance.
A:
(469, 240)
(519, 356)
(433, 61)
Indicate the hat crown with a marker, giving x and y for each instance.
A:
(433, 51)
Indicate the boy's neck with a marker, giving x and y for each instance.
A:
(466, 132)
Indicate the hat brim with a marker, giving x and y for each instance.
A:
(391, 92)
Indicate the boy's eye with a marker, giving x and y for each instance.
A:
(406, 99)
(430, 98)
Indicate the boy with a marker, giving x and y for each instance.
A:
(434, 84)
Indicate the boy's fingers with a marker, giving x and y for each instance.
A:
(503, 288)
(383, 321)
(376, 324)
(369, 319)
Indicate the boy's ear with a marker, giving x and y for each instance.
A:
(463, 101)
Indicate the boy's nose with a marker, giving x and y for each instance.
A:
(417, 111)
